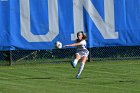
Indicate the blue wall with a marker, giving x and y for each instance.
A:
(15, 18)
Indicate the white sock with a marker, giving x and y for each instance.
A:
(81, 68)
(75, 62)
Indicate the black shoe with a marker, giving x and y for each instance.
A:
(77, 76)
(72, 64)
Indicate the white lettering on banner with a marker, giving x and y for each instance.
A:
(25, 22)
(78, 18)
(107, 28)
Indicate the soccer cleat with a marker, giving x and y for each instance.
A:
(72, 64)
(77, 76)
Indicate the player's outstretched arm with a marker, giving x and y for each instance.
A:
(74, 44)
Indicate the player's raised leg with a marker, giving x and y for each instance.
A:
(75, 61)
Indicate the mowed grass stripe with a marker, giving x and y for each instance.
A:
(97, 77)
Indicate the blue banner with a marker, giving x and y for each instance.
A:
(38, 24)
(4, 25)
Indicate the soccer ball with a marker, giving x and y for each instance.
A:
(58, 45)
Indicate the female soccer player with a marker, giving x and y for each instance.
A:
(82, 52)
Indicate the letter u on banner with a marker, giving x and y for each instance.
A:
(25, 22)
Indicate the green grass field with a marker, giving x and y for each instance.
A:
(97, 77)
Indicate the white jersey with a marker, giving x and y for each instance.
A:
(82, 46)
(82, 50)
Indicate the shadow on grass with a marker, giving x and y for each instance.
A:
(31, 78)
